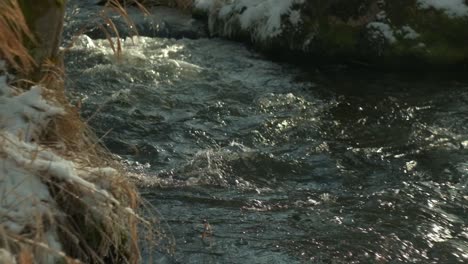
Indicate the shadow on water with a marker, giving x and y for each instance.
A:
(250, 161)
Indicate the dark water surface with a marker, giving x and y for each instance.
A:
(250, 161)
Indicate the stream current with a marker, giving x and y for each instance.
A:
(251, 161)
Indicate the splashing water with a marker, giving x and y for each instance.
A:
(257, 162)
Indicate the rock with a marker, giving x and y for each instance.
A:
(84, 17)
(396, 34)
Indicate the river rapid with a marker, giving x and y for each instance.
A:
(251, 161)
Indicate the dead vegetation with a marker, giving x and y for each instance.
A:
(93, 207)
(14, 33)
(181, 4)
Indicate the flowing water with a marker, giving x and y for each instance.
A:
(251, 161)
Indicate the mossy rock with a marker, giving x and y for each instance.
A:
(397, 34)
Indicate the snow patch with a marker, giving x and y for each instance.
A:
(28, 169)
(204, 5)
(295, 17)
(380, 29)
(409, 33)
(25, 198)
(263, 17)
(25, 115)
(6, 257)
(453, 8)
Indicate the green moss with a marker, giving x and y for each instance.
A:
(445, 38)
(349, 9)
(339, 38)
(442, 54)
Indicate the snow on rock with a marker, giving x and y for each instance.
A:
(205, 5)
(262, 17)
(453, 8)
(380, 29)
(409, 33)
(295, 17)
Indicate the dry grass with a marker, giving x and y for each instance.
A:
(181, 4)
(14, 32)
(112, 7)
(115, 6)
(103, 229)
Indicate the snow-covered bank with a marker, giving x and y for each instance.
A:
(25, 197)
(63, 197)
(56, 205)
(395, 34)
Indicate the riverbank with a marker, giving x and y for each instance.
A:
(63, 198)
(391, 35)
(418, 35)
(279, 168)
